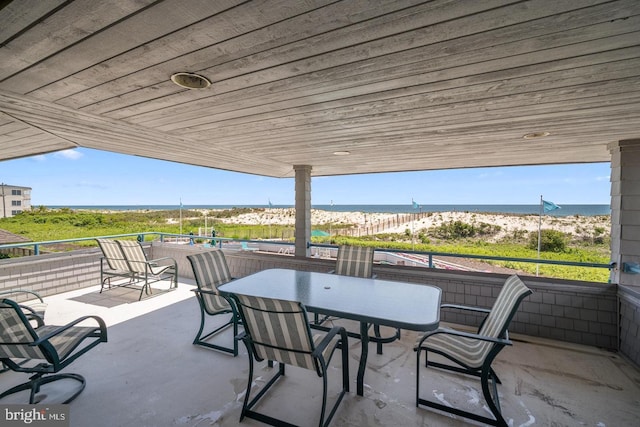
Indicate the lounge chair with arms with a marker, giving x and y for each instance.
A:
(139, 269)
(47, 349)
(278, 330)
(210, 270)
(473, 354)
(357, 261)
(113, 264)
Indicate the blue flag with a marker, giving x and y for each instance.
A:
(549, 206)
(415, 205)
(270, 205)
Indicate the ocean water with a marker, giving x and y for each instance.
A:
(565, 210)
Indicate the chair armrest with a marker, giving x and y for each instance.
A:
(155, 261)
(101, 324)
(466, 307)
(32, 314)
(317, 352)
(502, 341)
(208, 292)
(21, 291)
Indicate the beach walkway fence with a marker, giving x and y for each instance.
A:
(369, 228)
(381, 226)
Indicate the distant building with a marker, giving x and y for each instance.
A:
(14, 199)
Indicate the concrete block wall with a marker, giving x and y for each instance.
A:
(572, 311)
(630, 323)
(578, 312)
(53, 273)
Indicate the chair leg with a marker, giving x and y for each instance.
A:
(492, 400)
(345, 387)
(248, 391)
(38, 380)
(201, 340)
(324, 396)
(379, 340)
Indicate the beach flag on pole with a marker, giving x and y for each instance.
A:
(181, 216)
(548, 206)
(545, 206)
(270, 204)
(414, 204)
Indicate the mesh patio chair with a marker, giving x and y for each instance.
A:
(473, 354)
(278, 330)
(148, 271)
(46, 350)
(31, 303)
(357, 261)
(113, 264)
(210, 270)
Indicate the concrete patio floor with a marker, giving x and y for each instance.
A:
(149, 374)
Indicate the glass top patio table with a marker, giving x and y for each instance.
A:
(368, 301)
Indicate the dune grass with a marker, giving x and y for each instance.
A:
(41, 224)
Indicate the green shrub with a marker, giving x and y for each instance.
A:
(459, 229)
(551, 241)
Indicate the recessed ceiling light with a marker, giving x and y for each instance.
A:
(190, 80)
(534, 135)
(341, 153)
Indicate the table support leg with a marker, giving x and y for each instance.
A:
(364, 342)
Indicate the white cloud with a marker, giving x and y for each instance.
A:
(69, 154)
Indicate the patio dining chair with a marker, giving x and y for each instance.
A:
(278, 330)
(148, 271)
(357, 261)
(473, 354)
(210, 270)
(44, 351)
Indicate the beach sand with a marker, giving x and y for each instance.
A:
(382, 222)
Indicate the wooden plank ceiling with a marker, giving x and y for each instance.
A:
(399, 85)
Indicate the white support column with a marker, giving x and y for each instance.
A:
(303, 209)
(625, 209)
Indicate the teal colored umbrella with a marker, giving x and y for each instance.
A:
(319, 233)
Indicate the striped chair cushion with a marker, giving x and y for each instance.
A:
(113, 254)
(210, 270)
(66, 341)
(472, 352)
(16, 334)
(137, 259)
(279, 330)
(134, 254)
(355, 261)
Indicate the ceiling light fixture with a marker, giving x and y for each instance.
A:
(341, 153)
(190, 80)
(534, 135)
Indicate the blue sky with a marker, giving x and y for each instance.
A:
(91, 177)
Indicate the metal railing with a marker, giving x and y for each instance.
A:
(430, 256)
(188, 238)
